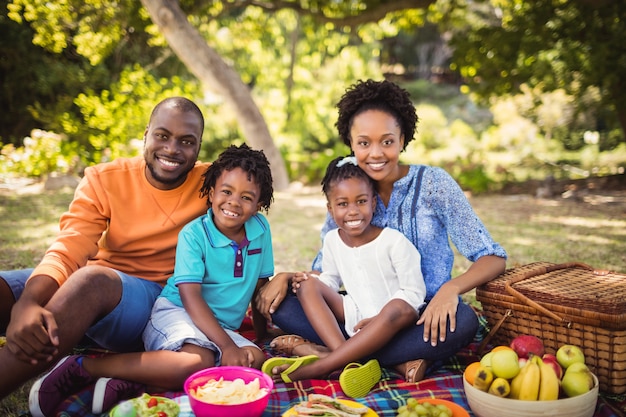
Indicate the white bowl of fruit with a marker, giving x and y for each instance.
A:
(522, 380)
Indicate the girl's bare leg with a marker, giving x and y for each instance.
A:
(395, 316)
(324, 309)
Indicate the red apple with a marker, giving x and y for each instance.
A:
(522, 362)
(525, 345)
(551, 360)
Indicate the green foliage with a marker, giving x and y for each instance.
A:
(43, 153)
(298, 64)
(113, 121)
(573, 46)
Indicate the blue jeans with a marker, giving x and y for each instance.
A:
(121, 329)
(406, 345)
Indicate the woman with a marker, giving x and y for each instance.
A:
(377, 120)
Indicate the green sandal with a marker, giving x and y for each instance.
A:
(357, 380)
(294, 363)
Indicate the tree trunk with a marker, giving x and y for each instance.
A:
(205, 63)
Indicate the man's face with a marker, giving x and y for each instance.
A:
(171, 146)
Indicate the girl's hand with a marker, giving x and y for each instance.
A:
(441, 309)
(361, 324)
(298, 277)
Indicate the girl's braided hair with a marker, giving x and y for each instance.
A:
(347, 169)
(383, 95)
(253, 162)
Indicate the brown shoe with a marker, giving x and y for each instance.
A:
(285, 344)
(415, 370)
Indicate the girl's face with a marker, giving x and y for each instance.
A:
(376, 141)
(351, 203)
(234, 199)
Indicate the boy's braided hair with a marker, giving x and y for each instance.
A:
(253, 162)
(346, 171)
(383, 95)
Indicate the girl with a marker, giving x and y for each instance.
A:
(379, 269)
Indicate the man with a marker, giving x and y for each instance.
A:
(115, 250)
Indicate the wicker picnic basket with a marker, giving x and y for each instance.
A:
(569, 303)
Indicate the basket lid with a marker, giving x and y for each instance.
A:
(576, 286)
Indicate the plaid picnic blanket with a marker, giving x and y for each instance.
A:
(443, 380)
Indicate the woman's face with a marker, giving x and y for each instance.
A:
(376, 141)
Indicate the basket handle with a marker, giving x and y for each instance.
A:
(540, 271)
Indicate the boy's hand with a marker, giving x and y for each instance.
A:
(236, 356)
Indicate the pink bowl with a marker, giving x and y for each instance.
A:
(229, 373)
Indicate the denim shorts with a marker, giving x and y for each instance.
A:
(16, 280)
(170, 327)
(121, 329)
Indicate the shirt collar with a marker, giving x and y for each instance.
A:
(254, 228)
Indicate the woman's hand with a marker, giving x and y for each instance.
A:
(273, 293)
(441, 309)
(444, 304)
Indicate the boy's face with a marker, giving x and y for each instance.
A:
(351, 203)
(234, 199)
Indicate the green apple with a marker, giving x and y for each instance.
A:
(577, 380)
(486, 360)
(568, 355)
(577, 367)
(505, 363)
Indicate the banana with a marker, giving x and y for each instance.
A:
(530, 383)
(517, 381)
(484, 378)
(549, 384)
(500, 387)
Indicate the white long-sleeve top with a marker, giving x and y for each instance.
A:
(373, 274)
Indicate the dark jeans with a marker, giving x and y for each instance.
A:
(406, 345)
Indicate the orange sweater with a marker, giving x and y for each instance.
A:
(118, 220)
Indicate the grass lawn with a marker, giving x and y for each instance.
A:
(592, 231)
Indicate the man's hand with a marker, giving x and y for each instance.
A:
(32, 334)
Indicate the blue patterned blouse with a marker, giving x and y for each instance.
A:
(428, 207)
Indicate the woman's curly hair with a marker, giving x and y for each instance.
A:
(253, 162)
(383, 95)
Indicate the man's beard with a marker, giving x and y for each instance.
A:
(162, 180)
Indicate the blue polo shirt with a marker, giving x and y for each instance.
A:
(228, 272)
